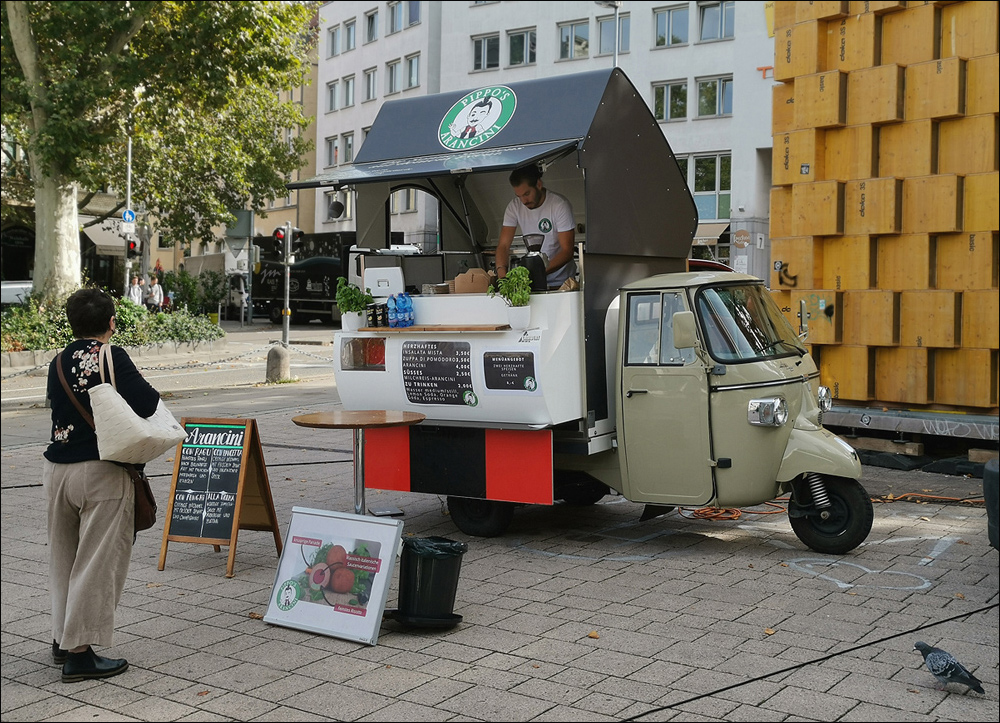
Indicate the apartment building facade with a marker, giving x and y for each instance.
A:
(703, 69)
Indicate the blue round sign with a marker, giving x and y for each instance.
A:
(128, 215)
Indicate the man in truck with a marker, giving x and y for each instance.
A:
(535, 209)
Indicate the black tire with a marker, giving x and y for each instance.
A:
(274, 314)
(480, 518)
(848, 524)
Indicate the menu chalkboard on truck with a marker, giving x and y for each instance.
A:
(219, 487)
(437, 372)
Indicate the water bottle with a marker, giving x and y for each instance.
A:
(407, 309)
(393, 314)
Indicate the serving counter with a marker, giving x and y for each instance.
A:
(461, 363)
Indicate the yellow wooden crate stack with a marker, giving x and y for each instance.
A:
(886, 197)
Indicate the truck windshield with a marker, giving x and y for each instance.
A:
(742, 323)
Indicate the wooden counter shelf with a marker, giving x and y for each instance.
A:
(439, 327)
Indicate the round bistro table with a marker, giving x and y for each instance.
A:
(359, 421)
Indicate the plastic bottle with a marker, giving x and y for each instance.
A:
(393, 313)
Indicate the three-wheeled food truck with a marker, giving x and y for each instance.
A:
(671, 385)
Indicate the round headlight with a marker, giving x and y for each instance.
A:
(825, 399)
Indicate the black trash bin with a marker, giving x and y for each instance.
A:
(428, 581)
(991, 494)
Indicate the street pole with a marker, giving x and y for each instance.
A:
(128, 204)
(286, 314)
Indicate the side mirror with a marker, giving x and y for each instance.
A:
(803, 319)
(685, 330)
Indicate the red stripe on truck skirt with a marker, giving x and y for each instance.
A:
(494, 464)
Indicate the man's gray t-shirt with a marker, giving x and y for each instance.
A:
(551, 218)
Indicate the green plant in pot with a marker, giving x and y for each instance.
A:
(352, 302)
(515, 290)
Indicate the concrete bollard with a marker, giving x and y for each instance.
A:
(278, 366)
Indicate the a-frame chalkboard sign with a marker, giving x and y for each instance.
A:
(219, 487)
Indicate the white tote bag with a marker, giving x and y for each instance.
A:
(124, 436)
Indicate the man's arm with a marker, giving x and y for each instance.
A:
(565, 253)
(503, 249)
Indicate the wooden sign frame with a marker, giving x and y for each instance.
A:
(200, 504)
(308, 591)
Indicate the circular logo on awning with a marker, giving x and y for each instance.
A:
(477, 117)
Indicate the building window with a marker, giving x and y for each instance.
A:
(371, 84)
(606, 33)
(717, 20)
(521, 47)
(413, 71)
(671, 26)
(712, 186)
(486, 52)
(348, 91)
(574, 41)
(350, 39)
(371, 27)
(332, 95)
(412, 13)
(403, 201)
(332, 151)
(670, 101)
(392, 80)
(395, 17)
(715, 97)
(333, 40)
(348, 142)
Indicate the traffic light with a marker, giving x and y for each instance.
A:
(279, 242)
(297, 240)
(134, 248)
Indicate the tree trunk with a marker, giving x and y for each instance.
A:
(57, 237)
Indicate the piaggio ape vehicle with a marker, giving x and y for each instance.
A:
(672, 385)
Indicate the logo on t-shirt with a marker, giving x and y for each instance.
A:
(477, 117)
(545, 225)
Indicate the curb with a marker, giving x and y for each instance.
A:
(24, 359)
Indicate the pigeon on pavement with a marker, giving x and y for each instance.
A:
(946, 669)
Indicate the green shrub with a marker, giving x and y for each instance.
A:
(34, 326)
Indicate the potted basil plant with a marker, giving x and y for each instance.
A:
(515, 290)
(352, 302)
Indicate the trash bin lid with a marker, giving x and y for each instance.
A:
(434, 546)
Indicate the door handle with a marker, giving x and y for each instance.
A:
(630, 392)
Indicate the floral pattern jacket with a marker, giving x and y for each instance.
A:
(73, 439)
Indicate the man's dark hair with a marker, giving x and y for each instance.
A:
(525, 174)
(486, 102)
(89, 312)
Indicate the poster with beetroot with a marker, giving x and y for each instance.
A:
(334, 574)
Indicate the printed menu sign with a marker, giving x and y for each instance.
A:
(510, 370)
(219, 487)
(437, 372)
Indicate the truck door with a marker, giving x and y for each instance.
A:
(663, 428)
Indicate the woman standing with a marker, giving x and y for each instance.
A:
(90, 501)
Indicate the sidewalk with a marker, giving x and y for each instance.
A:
(574, 614)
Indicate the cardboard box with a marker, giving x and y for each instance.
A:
(473, 281)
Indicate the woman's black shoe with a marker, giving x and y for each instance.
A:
(88, 665)
(58, 654)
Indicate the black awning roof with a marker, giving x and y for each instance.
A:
(439, 164)
(524, 122)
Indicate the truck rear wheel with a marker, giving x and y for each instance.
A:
(274, 314)
(480, 518)
(847, 522)
(578, 489)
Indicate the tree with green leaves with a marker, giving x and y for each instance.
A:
(197, 86)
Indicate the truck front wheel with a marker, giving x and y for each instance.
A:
(274, 314)
(838, 528)
(480, 518)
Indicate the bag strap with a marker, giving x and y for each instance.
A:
(87, 417)
(105, 354)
